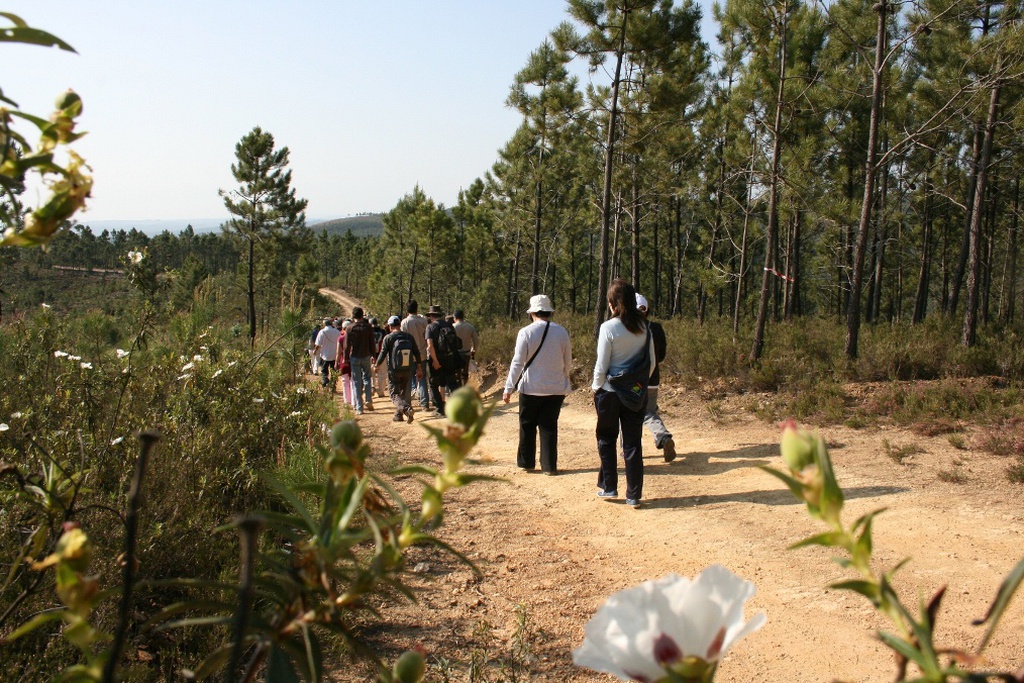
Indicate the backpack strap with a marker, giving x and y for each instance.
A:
(542, 338)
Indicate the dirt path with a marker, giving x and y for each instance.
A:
(549, 545)
(341, 298)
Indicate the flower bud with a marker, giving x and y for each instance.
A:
(433, 506)
(409, 668)
(796, 447)
(67, 99)
(463, 407)
(346, 435)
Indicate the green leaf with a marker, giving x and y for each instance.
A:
(828, 539)
(868, 589)
(354, 503)
(868, 518)
(214, 662)
(831, 493)
(904, 648)
(413, 469)
(1005, 593)
(929, 662)
(207, 606)
(23, 33)
(291, 499)
(34, 623)
(795, 487)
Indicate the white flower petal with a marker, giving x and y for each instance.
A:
(672, 616)
(60, 354)
(86, 366)
(4, 427)
(121, 353)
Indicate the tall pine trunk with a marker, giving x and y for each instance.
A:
(771, 235)
(606, 194)
(969, 333)
(853, 310)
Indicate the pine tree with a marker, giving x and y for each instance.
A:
(264, 204)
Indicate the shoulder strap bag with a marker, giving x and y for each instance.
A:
(631, 385)
(542, 338)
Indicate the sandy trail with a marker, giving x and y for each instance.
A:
(549, 545)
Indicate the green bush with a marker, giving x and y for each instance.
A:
(75, 402)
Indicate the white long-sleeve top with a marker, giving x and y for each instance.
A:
(617, 348)
(548, 374)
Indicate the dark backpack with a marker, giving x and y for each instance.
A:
(403, 352)
(448, 347)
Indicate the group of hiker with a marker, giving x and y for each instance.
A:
(431, 355)
(625, 389)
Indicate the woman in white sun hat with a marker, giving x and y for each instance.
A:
(540, 373)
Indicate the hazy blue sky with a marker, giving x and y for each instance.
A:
(371, 97)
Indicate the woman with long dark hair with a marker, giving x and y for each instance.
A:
(621, 342)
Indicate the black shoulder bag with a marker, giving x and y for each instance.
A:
(631, 384)
(542, 338)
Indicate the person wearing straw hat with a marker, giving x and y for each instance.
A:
(540, 373)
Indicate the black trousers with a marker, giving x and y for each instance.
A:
(539, 413)
(440, 381)
(611, 415)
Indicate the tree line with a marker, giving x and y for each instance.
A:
(851, 159)
(848, 159)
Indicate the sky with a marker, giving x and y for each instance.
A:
(371, 98)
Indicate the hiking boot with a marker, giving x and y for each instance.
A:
(408, 413)
(369, 406)
(670, 449)
(398, 418)
(607, 494)
(633, 503)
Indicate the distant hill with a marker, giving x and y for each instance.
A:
(363, 225)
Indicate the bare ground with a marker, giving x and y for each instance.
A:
(550, 552)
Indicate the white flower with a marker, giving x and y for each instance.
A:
(642, 631)
(135, 257)
(18, 415)
(117, 441)
(46, 305)
(121, 353)
(198, 357)
(295, 413)
(86, 366)
(4, 427)
(187, 367)
(185, 376)
(257, 400)
(60, 354)
(301, 390)
(74, 357)
(218, 373)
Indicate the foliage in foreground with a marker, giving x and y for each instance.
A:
(306, 571)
